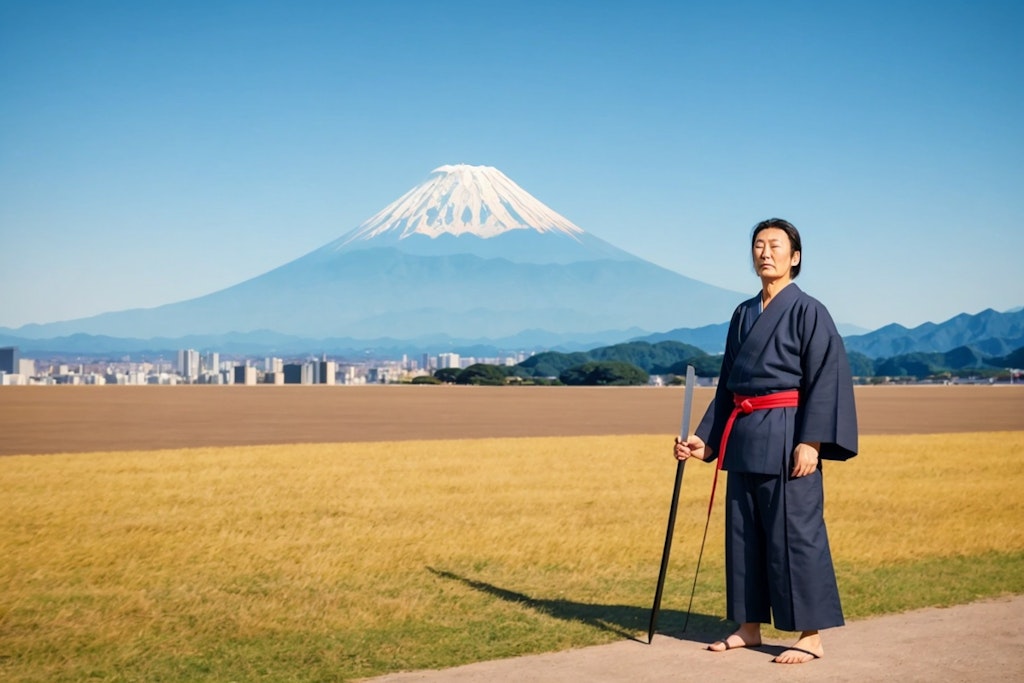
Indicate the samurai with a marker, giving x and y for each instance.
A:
(784, 402)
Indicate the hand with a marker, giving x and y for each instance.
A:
(805, 459)
(692, 447)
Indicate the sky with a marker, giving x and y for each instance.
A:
(152, 152)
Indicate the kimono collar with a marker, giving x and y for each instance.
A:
(764, 327)
(760, 298)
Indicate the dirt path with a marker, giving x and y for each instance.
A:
(977, 642)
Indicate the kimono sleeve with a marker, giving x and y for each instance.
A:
(828, 411)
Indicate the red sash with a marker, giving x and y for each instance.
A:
(747, 405)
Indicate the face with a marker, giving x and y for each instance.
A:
(773, 254)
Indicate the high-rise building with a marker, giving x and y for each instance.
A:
(310, 371)
(448, 360)
(245, 374)
(292, 373)
(328, 369)
(188, 364)
(211, 362)
(26, 367)
(9, 359)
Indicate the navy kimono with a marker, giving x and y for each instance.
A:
(778, 561)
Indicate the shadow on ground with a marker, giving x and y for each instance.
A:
(626, 621)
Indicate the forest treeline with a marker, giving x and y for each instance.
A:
(633, 363)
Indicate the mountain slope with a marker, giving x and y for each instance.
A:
(467, 253)
(384, 292)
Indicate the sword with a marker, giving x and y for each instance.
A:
(691, 380)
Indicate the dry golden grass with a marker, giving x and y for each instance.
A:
(330, 561)
(910, 497)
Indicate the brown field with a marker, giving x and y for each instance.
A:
(37, 420)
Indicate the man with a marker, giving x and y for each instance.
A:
(784, 402)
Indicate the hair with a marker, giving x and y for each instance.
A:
(791, 232)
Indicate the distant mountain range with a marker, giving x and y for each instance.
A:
(267, 343)
(657, 355)
(990, 333)
(962, 341)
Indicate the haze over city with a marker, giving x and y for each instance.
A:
(155, 153)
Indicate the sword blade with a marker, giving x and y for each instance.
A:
(691, 380)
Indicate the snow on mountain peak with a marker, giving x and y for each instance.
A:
(462, 199)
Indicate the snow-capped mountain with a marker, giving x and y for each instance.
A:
(460, 200)
(467, 255)
(476, 209)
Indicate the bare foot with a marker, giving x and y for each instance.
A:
(747, 635)
(806, 649)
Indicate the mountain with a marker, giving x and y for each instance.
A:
(664, 357)
(267, 343)
(467, 254)
(990, 332)
(923, 364)
(709, 338)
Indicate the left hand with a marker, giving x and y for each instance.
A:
(805, 459)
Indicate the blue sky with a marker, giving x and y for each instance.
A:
(152, 152)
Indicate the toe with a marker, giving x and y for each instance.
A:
(719, 646)
(796, 656)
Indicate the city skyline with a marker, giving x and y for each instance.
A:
(152, 154)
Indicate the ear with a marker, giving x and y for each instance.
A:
(796, 258)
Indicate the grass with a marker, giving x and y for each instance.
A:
(333, 562)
